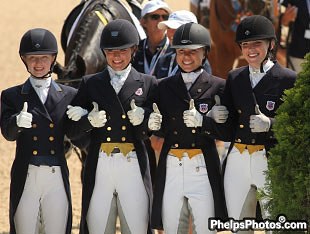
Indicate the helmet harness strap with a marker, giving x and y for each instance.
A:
(266, 57)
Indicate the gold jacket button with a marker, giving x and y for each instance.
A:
(123, 138)
(253, 141)
(193, 144)
(108, 138)
(35, 152)
(123, 116)
(34, 125)
(241, 126)
(109, 128)
(52, 152)
(51, 125)
(239, 111)
(123, 128)
(35, 138)
(238, 140)
(51, 138)
(176, 145)
(193, 131)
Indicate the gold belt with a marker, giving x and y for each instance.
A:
(124, 148)
(179, 152)
(251, 148)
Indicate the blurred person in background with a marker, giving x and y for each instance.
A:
(156, 43)
(297, 17)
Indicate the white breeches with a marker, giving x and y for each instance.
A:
(187, 179)
(243, 171)
(118, 174)
(44, 192)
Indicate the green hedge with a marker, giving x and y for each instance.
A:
(289, 162)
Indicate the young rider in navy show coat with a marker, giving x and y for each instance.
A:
(33, 114)
(188, 178)
(112, 106)
(252, 95)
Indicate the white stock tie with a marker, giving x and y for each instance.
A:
(118, 78)
(41, 86)
(190, 77)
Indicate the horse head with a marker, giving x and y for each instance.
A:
(80, 38)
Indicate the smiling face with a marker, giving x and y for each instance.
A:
(39, 65)
(119, 59)
(255, 52)
(188, 59)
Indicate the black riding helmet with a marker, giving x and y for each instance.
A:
(255, 27)
(38, 41)
(119, 34)
(191, 36)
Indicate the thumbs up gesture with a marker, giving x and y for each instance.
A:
(192, 118)
(218, 112)
(136, 114)
(155, 119)
(259, 122)
(97, 118)
(76, 112)
(24, 119)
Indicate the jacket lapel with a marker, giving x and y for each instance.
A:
(108, 93)
(55, 95)
(267, 82)
(178, 87)
(38, 106)
(201, 85)
(132, 85)
(243, 83)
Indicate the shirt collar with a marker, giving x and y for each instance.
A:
(40, 83)
(190, 77)
(266, 67)
(123, 74)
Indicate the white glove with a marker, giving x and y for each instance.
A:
(259, 122)
(76, 112)
(24, 119)
(136, 114)
(218, 113)
(97, 118)
(192, 118)
(155, 119)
